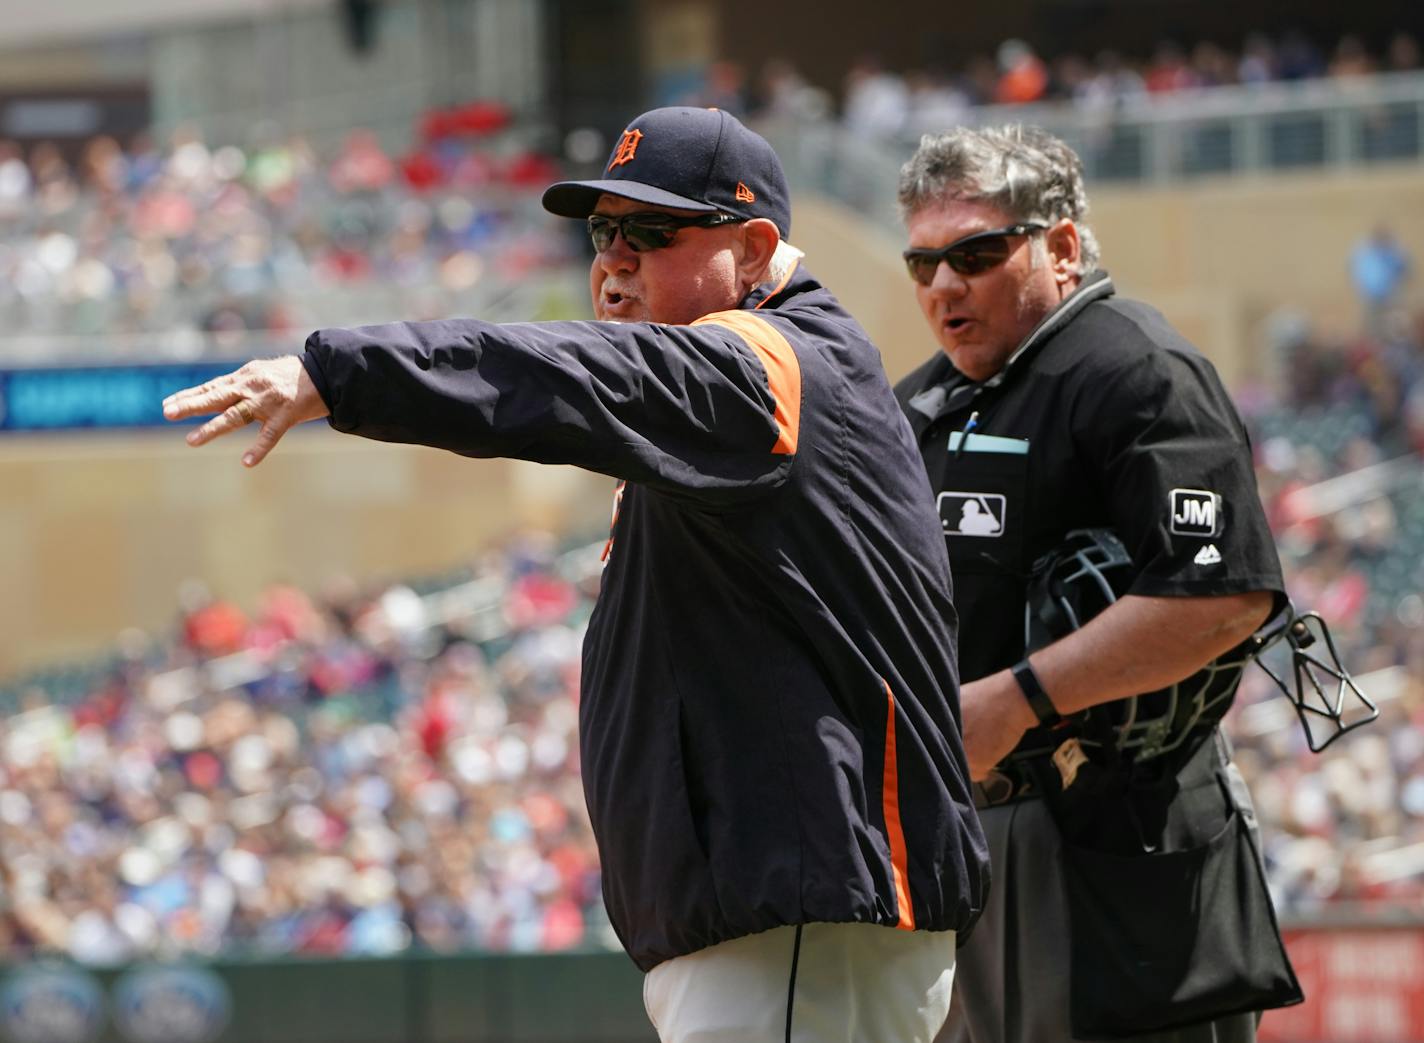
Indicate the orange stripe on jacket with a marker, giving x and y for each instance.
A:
(899, 861)
(783, 372)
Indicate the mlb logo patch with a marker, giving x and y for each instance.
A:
(1195, 512)
(972, 514)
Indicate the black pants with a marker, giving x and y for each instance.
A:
(1011, 984)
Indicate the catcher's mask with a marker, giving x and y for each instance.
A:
(1092, 569)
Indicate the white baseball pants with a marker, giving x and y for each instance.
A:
(853, 983)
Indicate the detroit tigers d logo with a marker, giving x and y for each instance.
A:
(627, 148)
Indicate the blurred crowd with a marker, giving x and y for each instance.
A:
(148, 237)
(880, 103)
(373, 771)
(183, 237)
(357, 773)
(366, 771)
(1339, 443)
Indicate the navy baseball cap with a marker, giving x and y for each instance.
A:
(695, 159)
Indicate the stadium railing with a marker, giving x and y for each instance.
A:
(1153, 139)
(553, 293)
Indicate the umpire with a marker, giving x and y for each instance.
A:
(1055, 406)
(768, 722)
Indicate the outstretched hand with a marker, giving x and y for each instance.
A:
(277, 393)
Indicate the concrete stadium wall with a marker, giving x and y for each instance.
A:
(1363, 983)
(577, 997)
(88, 20)
(1218, 257)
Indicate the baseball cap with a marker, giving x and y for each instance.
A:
(695, 159)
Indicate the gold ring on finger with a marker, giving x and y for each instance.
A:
(244, 410)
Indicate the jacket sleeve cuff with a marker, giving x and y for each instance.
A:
(318, 376)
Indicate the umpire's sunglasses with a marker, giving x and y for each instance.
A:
(968, 256)
(650, 230)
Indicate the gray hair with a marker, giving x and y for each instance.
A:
(782, 263)
(1024, 171)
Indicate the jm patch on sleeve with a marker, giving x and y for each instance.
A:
(1195, 512)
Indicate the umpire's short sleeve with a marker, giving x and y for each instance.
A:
(1177, 474)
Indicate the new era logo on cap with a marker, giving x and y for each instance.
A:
(690, 159)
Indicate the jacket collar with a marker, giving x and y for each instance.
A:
(946, 388)
(798, 280)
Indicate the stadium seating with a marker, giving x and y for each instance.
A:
(363, 771)
(359, 774)
(221, 241)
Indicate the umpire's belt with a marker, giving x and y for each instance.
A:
(1006, 783)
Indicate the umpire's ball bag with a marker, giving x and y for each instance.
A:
(1170, 920)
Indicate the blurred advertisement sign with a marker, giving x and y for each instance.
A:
(145, 1004)
(50, 1005)
(1361, 986)
(71, 115)
(171, 1005)
(51, 118)
(66, 398)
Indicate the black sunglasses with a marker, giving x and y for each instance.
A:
(968, 256)
(649, 231)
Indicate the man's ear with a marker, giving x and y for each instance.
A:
(1065, 251)
(759, 242)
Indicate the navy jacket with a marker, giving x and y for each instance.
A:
(769, 718)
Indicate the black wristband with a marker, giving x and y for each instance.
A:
(1032, 689)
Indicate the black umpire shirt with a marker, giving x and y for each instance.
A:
(1105, 417)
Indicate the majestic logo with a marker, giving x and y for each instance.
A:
(627, 148)
(1195, 512)
(745, 194)
(972, 514)
(1208, 555)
